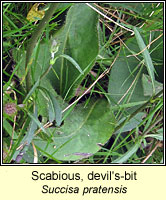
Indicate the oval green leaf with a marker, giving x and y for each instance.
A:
(124, 87)
(78, 39)
(82, 132)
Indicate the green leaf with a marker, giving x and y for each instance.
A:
(40, 62)
(147, 58)
(31, 90)
(78, 49)
(79, 40)
(129, 153)
(147, 85)
(127, 69)
(132, 123)
(158, 136)
(135, 7)
(82, 132)
(55, 112)
(125, 85)
(35, 119)
(9, 129)
(27, 139)
(73, 62)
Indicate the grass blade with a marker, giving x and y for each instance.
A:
(146, 55)
(129, 153)
(34, 118)
(31, 90)
(73, 62)
(24, 144)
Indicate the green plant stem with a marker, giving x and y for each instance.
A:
(36, 34)
(138, 110)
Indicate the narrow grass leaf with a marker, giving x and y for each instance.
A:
(158, 136)
(11, 23)
(24, 144)
(8, 128)
(132, 123)
(127, 105)
(32, 127)
(48, 155)
(35, 119)
(73, 62)
(32, 90)
(146, 55)
(129, 153)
